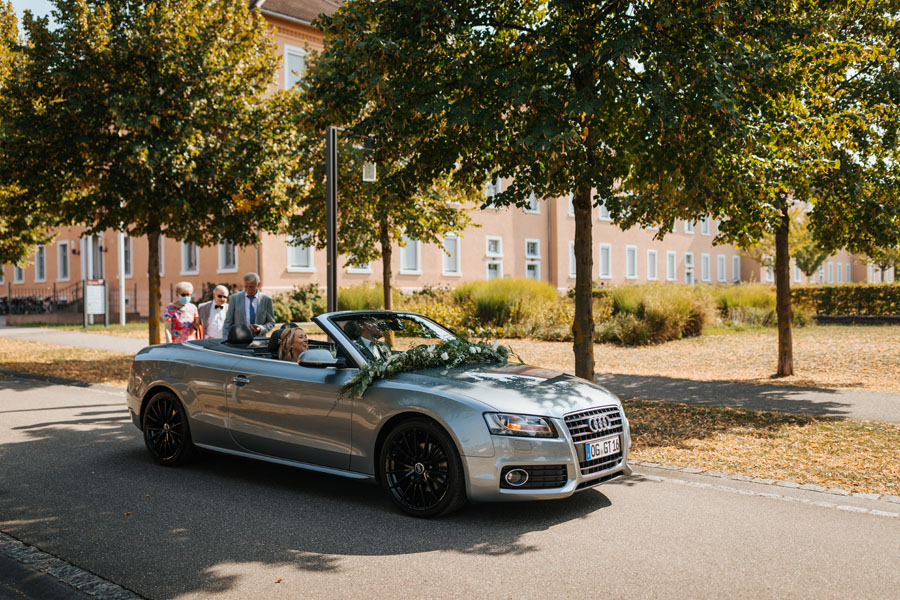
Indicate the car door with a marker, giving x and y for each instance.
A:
(284, 410)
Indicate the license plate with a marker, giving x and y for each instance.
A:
(602, 447)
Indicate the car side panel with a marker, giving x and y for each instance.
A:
(461, 417)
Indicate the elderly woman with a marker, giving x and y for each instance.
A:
(181, 317)
(292, 344)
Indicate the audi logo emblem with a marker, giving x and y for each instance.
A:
(598, 424)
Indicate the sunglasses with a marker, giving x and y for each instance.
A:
(220, 296)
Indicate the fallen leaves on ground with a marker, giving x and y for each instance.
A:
(830, 356)
(94, 366)
(860, 456)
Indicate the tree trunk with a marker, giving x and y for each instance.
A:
(153, 275)
(783, 296)
(583, 325)
(386, 252)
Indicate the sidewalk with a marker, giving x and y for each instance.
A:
(820, 402)
(78, 339)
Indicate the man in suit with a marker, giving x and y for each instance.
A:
(250, 307)
(212, 313)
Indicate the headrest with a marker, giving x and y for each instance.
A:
(240, 335)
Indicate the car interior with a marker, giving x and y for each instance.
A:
(242, 342)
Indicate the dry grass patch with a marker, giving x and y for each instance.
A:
(138, 331)
(829, 356)
(94, 366)
(856, 455)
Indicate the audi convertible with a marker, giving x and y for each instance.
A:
(433, 438)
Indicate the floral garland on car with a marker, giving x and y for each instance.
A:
(448, 354)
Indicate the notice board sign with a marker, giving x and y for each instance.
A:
(95, 299)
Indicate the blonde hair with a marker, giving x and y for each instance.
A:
(285, 344)
(184, 287)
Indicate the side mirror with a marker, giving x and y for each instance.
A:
(318, 358)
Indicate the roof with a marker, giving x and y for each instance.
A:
(305, 11)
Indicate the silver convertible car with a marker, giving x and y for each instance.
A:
(432, 438)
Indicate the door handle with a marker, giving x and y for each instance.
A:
(241, 380)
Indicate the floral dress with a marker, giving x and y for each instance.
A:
(182, 321)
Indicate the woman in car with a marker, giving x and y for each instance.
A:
(292, 344)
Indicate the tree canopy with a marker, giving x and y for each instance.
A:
(151, 117)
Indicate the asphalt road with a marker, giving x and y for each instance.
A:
(75, 481)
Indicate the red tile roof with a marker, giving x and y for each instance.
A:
(303, 10)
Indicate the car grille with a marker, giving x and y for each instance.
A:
(577, 424)
(540, 477)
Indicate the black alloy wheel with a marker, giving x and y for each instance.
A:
(166, 430)
(421, 470)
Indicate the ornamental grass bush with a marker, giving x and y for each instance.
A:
(654, 313)
(365, 296)
(500, 301)
(747, 304)
(299, 305)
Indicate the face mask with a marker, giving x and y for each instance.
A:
(185, 299)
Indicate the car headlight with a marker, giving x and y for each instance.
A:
(519, 425)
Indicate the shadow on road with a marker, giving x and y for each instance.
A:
(84, 488)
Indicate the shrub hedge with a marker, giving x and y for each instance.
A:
(877, 299)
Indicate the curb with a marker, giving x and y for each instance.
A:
(772, 482)
(84, 581)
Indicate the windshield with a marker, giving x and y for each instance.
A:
(377, 336)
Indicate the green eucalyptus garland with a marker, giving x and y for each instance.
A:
(448, 354)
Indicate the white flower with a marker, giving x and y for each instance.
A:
(430, 349)
(445, 356)
(495, 346)
(478, 349)
(473, 349)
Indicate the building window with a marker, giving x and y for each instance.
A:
(294, 66)
(631, 262)
(2, 274)
(796, 274)
(848, 273)
(18, 275)
(532, 248)
(830, 272)
(299, 256)
(533, 270)
(572, 261)
(839, 274)
(534, 205)
(128, 256)
(40, 264)
(493, 246)
(721, 275)
(605, 261)
(704, 225)
(651, 265)
(492, 189)
(770, 272)
(190, 261)
(162, 257)
(671, 273)
(363, 269)
(494, 269)
(571, 199)
(409, 257)
(705, 267)
(604, 213)
(62, 261)
(451, 255)
(689, 227)
(736, 268)
(227, 258)
(689, 268)
(822, 274)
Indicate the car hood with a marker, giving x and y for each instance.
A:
(517, 388)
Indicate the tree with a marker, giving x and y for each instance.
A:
(815, 92)
(558, 97)
(802, 245)
(150, 117)
(884, 259)
(372, 216)
(22, 228)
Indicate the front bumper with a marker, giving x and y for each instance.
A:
(483, 475)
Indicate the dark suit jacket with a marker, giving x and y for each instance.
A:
(265, 312)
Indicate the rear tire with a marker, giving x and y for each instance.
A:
(166, 430)
(420, 469)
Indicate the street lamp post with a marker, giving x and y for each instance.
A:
(331, 192)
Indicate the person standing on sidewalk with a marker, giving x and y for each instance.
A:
(250, 307)
(212, 313)
(181, 317)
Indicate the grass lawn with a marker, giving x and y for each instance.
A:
(855, 455)
(130, 330)
(830, 356)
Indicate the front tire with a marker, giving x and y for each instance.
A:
(166, 431)
(420, 469)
